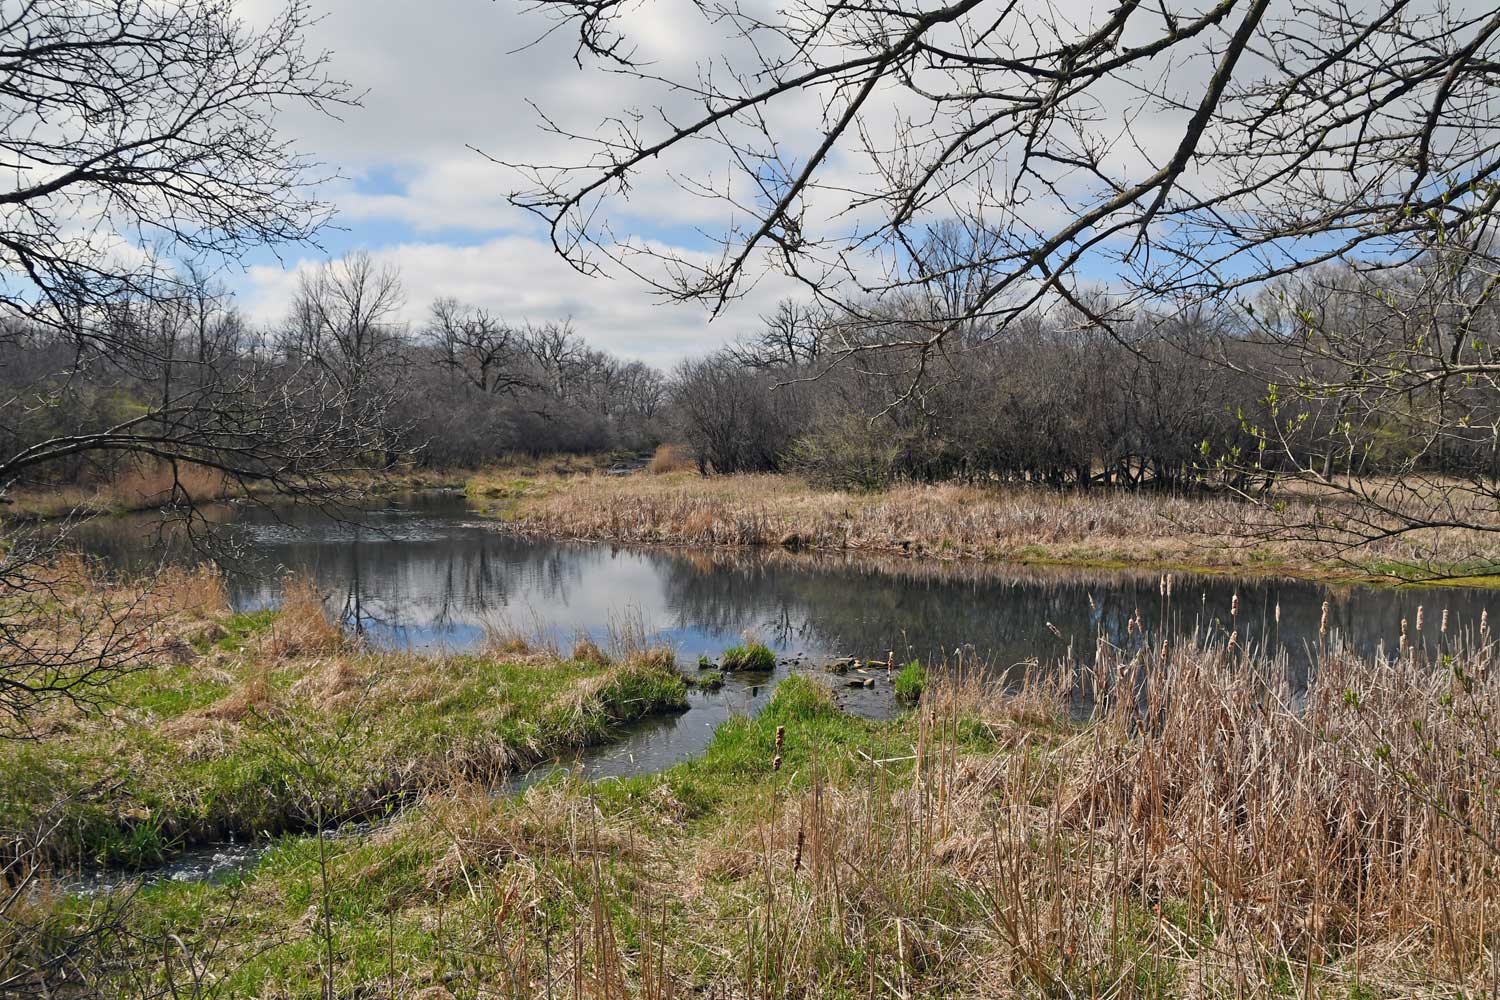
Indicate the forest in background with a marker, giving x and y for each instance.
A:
(1233, 396)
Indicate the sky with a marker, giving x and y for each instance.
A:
(442, 76)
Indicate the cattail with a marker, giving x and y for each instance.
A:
(1323, 624)
(1234, 606)
(1277, 613)
(1419, 619)
(776, 763)
(890, 662)
(1443, 625)
(797, 864)
(1164, 650)
(1484, 620)
(1403, 635)
(1234, 638)
(780, 737)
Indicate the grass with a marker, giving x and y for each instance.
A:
(137, 487)
(1193, 835)
(212, 739)
(671, 458)
(1100, 528)
(1177, 817)
(911, 682)
(751, 657)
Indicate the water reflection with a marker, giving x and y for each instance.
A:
(426, 572)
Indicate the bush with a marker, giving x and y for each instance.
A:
(749, 657)
(911, 682)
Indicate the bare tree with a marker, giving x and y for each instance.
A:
(1187, 146)
(137, 131)
(142, 151)
(478, 347)
(792, 334)
(1190, 155)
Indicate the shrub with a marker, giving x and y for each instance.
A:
(749, 657)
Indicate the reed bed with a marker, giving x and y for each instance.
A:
(1170, 820)
(1183, 816)
(1018, 524)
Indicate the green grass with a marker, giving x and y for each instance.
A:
(493, 895)
(205, 751)
(388, 889)
(911, 682)
(752, 657)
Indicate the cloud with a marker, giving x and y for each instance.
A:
(520, 278)
(445, 77)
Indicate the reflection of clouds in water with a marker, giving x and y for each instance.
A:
(434, 575)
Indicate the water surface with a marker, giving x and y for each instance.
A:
(426, 572)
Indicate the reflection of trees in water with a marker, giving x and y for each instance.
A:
(429, 569)
(866, 606)
(439, 582)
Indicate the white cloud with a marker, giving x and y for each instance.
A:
(520, 278)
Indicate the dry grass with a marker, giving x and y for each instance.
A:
(1015, 524)
(1203, 833)
(302, 626)
(134, 486)
(1207, 828)
(671, 458)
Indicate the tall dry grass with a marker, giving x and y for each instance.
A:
(670, 458)
(303, 626)
(1209, 829)
(952, 521)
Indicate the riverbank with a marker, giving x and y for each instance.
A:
(1022, 526)
(152, 488)
(983, 845)
(239, 726)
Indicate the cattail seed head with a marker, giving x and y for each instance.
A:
(1420, 617)
(1323, 624)
(780, 736)
(1443, 625)
(1234, 606)
(776, 763)
(1403, 635)
(1277, 613)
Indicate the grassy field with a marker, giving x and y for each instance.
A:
(1217, 843)
(261, 723)
(1021, 525)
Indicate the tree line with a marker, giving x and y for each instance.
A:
(1338, 375)
(1328, 374)
(462, 387)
